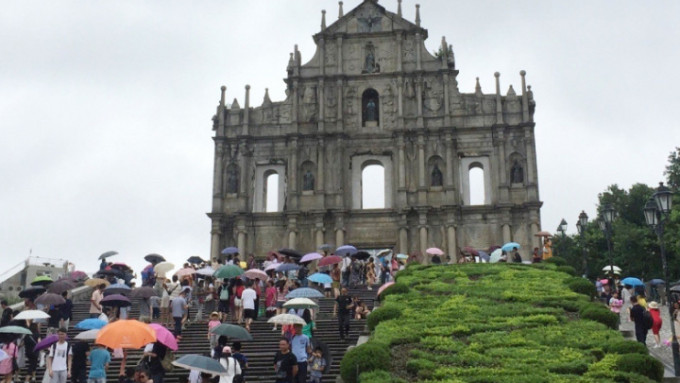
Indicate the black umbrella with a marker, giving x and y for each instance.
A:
(362, 255)
(108, 254)
(291, 253)
(116, 300)
(61, 285)
(144, 292)
(32, 292)
(114, 272)
(154, 258)
(675, 289)
(195, 259)
(49, 299)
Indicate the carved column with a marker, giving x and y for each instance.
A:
(507, 236)
(452, 243)
(293, 165)
(447, 112)
(525, 98)
(218, 177)
(340, 107)
(244, 170)
(400, 96)
(402, 162)
(403, 240)
(322, 57)
(241, 239)
(319, 235)
(418, 46)
(450, 171)
(340, 60)
(400, 56)
(320, 183)
(421, 162)
(419, 100)
(215, 234)
(423, 244)
(246, 112)
(321, 104)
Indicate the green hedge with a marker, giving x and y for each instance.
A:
(581, 286)
(397, 288)
(495, 323)
(557, 261)
(364, 358)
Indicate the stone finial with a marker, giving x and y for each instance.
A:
(323, 19)
(340, 11)
(418, 14)
(224, 91)
(511, 91)
(399, 8)
(235, 105)
(298, 57)
(291, 62)
(267, 100)
(498, 83)
(478, 88)
(499, 105)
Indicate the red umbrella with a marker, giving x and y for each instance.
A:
(471, 251)
(329, 260)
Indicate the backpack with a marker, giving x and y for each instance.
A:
(167, 360)
(647, 320)
(224, 293)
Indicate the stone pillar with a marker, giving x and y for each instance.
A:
(319, 235)
(507, 236)
(534, 239)
(215, 234)
(319, 166)
(339, 237)
(502, 160)
(403, 240)
(292, 170)
(450, 171)
(340, 60)
(447, 111)
(218, 177)
(423, 244)
(421, 162)
(419, 100)
(400, 97)
(339, 115)
(322, 105)
(525, 98)
(452, 243)
(292, 239)
(246, 112)
(499, 105)
(241, 241)
(244, 175)
(402, 162)
(418, 46)
(400, 57)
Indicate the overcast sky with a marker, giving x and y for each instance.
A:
(105, 107)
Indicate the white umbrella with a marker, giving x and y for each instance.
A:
(272, 266)
(300, 303)
(32, 314)
(207, 271)
(256, 273)
(287, 319)
(617, 270)
(88, 335)
(495, 256)
(162, 268)
(434, 251)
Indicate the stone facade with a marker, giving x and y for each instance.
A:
(373, 94)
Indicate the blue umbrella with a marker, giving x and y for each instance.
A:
(200, 363)
(304, 292)
(230, 250)
(510, 246)
(484, 256)
(287, 267)
(346, 250)
(630, 281)
(91, 324)
(657, 281)
(320, 278)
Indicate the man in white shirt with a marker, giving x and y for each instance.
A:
(248, 297)
(95, 306)
(60, 359)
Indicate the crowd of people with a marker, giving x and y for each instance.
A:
(187, 297)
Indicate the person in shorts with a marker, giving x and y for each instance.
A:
(248, 298)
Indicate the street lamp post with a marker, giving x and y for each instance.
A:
(581, 226)
(608, 215)
(562, 229)
(656, 212)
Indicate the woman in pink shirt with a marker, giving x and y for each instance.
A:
(6, 366)
(270, 298)
(615, 303)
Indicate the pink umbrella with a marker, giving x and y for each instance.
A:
(330, 260)
(164, 336)
(256, 273)
(185, 271)
(604, 281)
(310, 257)
(383, 287)
(434, 251)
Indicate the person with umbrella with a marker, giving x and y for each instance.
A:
(95, 299)
(30, 341)
(60, 359)
(99, 360)
(65, 311)
(7, 365)
(154, 355)
(6, 313)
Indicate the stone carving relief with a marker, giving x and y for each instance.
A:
(512, 102)
(331, 101)
(389, 106)
(350, 108)
(409, 51)
(369, 20)
(353, 57)
(283, 113)
(433, 97)
(386, 58)
(330, 54)
(489, 106)
(308, 181)
(437, 178)
(232, 179)
(472, 105)
(309, 106)
(517, 173)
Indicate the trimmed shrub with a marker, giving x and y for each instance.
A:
(600, 314)
(581, 286)
(641, 364)
(423, 368)
(379, 376)
(575, 367)
(397, 288)
(557, 261)
(567, 269)
(626, 347)
(382, 314)
(367, 357)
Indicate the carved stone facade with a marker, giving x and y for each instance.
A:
(373, 94)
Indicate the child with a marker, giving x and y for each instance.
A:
(317, 364)
(214, 322)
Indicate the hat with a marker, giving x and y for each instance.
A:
(214, 314)
(226, 350)
(653, 305)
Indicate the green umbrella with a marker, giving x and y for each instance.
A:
(15, 330)
(228, 271)
(41, 280)
(232, 331)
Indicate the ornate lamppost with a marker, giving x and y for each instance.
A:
(562, 229)
(581, 226)
(608, 215)
(657, 212)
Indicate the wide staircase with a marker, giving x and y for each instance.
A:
(260, 352)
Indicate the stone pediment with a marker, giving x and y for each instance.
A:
(369, 17)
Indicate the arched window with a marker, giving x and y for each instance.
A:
(370, 108)
(373, 186)
(477, 187)
(271, 191)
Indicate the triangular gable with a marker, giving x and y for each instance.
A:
(369, 17)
